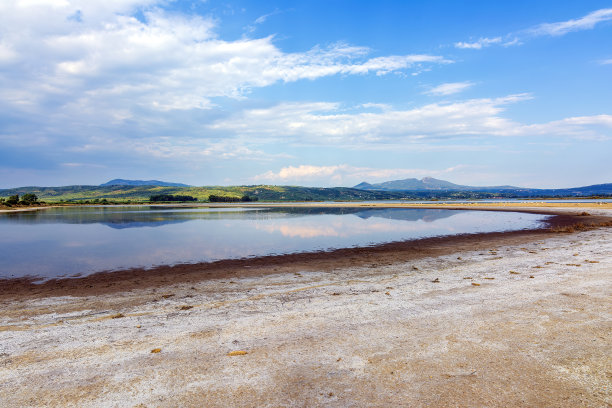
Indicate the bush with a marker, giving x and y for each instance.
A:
(222, 199)
(29, 199)
(12, 200)
(168, 197)
(228, 199)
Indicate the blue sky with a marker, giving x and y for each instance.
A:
(317, 93)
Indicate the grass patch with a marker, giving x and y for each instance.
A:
(580, 227)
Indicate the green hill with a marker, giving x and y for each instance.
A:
(142, 194)
(81, 193)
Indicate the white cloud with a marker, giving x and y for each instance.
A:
(328, 124)
(512, 42)
(596, 127)
(167, 62)
(480, 43)
(607, 62)
(187, 151)
(584, 23)
(302, 172)
(262, 19)
(126, 75)
(450, 88)
(376, 106)
(7, 53)
(77, 165)
(323, 122)
(546, 29)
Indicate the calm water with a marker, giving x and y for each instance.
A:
(82, 240)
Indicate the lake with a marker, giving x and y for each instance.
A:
(64, 242)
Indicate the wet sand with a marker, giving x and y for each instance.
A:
(503, 319)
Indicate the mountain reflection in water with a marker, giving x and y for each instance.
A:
(138, 217)
(66, 241)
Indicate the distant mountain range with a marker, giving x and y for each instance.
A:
(120, 190)
(122, 182)
(429, 184)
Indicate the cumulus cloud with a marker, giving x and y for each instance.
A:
(303, 172)
(109, 57)
(129, 78)
(450, 88)
(128, 75)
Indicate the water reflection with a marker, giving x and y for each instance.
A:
(67, 241)
(138, 217)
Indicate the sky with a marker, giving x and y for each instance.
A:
(313, 92)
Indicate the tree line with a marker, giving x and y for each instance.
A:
(226, 199)
(26, 199)
(168, 197)
(211, 198)
(31, 199)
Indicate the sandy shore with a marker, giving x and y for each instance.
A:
(497, 320)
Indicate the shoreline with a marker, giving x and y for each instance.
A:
(506, 320)
(461, 204)
(106, 282)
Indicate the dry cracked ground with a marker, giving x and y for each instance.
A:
(527, 326)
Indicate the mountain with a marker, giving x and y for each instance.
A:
(426, 189)
(426, 184)
(122, 182)
(595, 189)
(364, 186)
